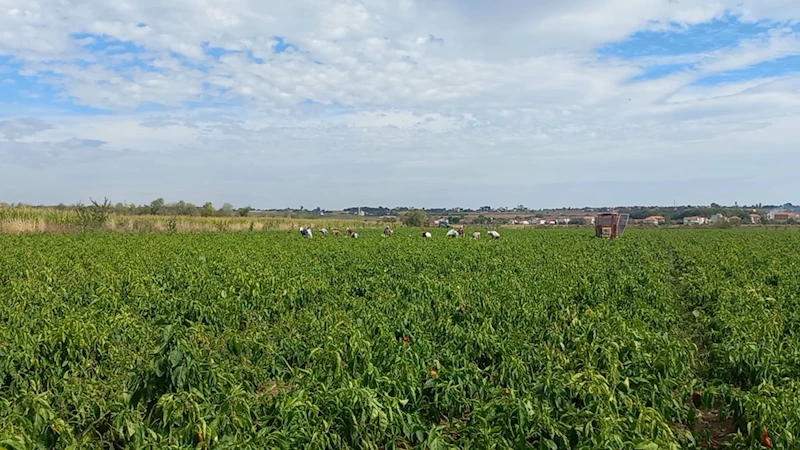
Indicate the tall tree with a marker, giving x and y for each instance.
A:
(208, 210)
(157, 206)
(226, 210)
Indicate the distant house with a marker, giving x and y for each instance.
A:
(784, 216)
(695, 220)
(754, 218)
(589, 220)
(562, 221)
(717, 218)
(735, 219)
(654, 220)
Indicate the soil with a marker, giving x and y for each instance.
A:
(713, 427)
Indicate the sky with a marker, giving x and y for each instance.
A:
(332, 104)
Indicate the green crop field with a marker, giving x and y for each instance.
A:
(544, 339)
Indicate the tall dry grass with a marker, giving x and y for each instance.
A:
(30, 220)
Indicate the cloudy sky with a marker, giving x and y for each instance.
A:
(332, 103)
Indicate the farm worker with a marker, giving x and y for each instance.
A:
(387, 232)
(324, 231)
(452, 233)
(426, 234)
(352, 233)
(494, 234)
(461, 231)
(476, 235)
(305, 232)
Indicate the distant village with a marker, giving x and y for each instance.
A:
(718, 218)
(775, 217)
(710, 215)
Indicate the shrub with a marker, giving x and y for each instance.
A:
(415, 218)
(94, 216)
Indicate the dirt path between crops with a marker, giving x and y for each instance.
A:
(711, 427)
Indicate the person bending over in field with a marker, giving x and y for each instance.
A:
(387, 232)
(476, 235)
(305, 232)
(426, 234)
(461, 231)
(352, 233)
(452, 233)
(337, 233)
(494, 234)
(324, 231)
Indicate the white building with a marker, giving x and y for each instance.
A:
(654, 220)
(695, 220)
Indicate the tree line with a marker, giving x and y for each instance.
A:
(159, 207)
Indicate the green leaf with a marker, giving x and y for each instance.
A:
(175, 357)
(647, 446)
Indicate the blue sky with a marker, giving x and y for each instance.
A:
(727, 32)
(330, 103)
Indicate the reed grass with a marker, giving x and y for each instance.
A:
(15, 220)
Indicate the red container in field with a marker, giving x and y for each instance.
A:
(610, 225)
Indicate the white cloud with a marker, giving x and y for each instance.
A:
(438, 99)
